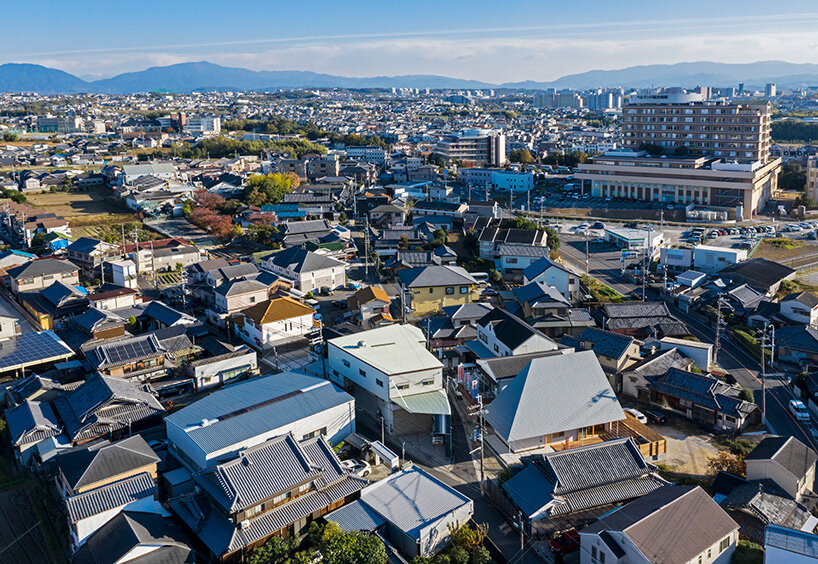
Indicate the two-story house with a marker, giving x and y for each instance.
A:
(309, 271)
(276, 488)
(371, 306)
(786, 461)
(671, 524)
(800, 307)
(396, 381)
(88, 254)
(427, 290)
(235, 296)
(41, 273)
(273, 322)
(500, 333)
(552, 273)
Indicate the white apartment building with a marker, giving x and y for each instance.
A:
(369, 154)
(474, 147)
(123, 273)
(499, 179)
(204, 125)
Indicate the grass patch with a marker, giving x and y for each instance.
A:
(600, 292)
(112, 232)
(783, 243)
(748, 553)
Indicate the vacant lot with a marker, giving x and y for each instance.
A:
(784, 250)
(80, 205)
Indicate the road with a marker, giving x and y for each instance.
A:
(604, 265)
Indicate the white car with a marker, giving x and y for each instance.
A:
(357, 467)
(798, 409)
(637, 414)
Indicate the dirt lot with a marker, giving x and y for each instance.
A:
(72, 205)
(791, 249)
(687, 452)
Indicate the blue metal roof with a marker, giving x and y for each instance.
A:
(255, 407)
(356, 516)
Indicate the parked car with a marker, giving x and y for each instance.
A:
(565, 543)
(656, 417)
(158, 444)
(357, 467)
(637, 414)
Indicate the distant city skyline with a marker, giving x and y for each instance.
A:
(486, 41)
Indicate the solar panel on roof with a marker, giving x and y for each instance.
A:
(31, 348)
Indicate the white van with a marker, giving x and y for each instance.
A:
(798, 409)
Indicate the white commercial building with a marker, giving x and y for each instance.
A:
(219, 426)
(204, 125)
(372, 154)
(394, 376)
(710, 259)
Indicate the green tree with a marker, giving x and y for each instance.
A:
(339, 547)
(521, 156)
(271, 186)
(553, 238)
(274, 551)
(746, 394)
(792, 177)
(10, 137)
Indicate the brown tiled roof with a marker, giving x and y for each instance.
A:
(276, 309)
(366, 295)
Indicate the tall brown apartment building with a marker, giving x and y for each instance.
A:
(714, 128)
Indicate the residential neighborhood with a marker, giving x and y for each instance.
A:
(412, 319)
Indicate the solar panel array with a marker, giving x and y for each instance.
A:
(123, 352)
(31, 348)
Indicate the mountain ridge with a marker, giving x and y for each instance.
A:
(206, 76)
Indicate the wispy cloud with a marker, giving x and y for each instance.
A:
(492, 54)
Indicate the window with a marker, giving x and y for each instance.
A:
(362, 372)
(449, 290)
(464, 289)
(346, 363)
(428, 382)
(431, 290)
(724, 544)
(379, 382)
(403, 386)
(252, 299)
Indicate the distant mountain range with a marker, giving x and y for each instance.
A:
(204, 76)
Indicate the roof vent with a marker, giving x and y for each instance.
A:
(361, 344)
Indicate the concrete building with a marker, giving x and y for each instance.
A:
(369, 154)
(499, 179)
(674, 118)
(394, 378)
(54, 124)
(740, 187)
(710, 259)
(812, 178)
(474, 147)
(203, 125)
(562, 99)
(122, 273)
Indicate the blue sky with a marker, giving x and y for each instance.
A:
(492, 41)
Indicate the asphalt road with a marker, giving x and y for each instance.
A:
(604, 265)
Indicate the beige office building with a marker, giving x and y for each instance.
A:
(716, 128)
(703, 181)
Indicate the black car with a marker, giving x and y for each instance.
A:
(655, 416)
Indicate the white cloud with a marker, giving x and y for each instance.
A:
(521, 54)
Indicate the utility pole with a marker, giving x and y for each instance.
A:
(383, 442)
(522, 535)
(482, 450)
(366, 249)
(718, 330)
(764, 374)
(587, 254)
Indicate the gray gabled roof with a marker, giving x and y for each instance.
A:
(789, 452)
(300, 260)
(41, 267)
(543, 264)
(116, 494)
(553, 394)
(434, 275)
(127, 531)
(31, 421)
(238, 287)
(84, 466)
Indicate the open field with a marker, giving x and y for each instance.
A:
(73, 205)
